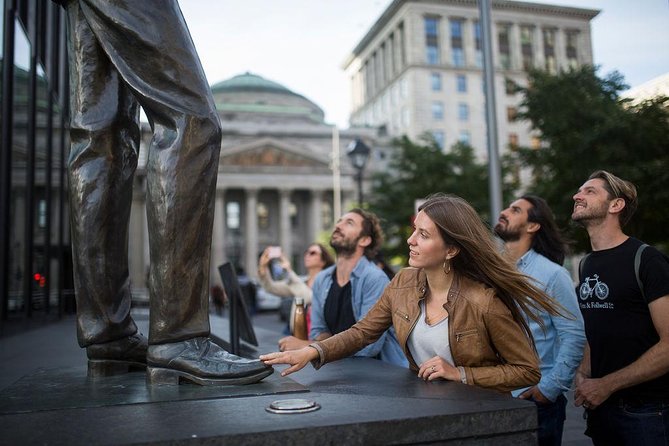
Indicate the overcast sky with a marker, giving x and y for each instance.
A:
(301, 44)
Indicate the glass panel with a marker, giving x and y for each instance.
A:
(435, 80)
(232, 210)
(17, 205)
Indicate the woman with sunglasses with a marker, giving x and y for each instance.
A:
(316, 258)
(457, 310)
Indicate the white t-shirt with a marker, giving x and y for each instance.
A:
(427, 341)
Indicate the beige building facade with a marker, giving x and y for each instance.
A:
(419, 68)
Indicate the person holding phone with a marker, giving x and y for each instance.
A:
(277, 276)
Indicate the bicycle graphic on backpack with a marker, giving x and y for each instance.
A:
(600, 288)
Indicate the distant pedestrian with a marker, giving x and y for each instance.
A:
(623, 381)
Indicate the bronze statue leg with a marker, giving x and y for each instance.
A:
(149, 45)
(142, 49)
(101, 165)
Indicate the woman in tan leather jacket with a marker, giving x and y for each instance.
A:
(457, 310)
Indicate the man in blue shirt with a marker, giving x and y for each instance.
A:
(344, 292)
(533, 241)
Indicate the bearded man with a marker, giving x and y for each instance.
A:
(623, 381)
(534, 243)
(344, 292)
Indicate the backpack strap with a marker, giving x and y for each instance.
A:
(637, 266)
(580, 266)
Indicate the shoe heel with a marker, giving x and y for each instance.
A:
(158, 376)
(100, 369)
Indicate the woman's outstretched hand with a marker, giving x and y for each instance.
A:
(297, 359)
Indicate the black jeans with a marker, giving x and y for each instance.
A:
(625, 423)
(551, 418)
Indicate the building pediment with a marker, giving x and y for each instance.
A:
(270, 152)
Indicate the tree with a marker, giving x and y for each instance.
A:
(586, 126)
(416, 171)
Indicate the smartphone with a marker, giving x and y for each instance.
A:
(274, 252)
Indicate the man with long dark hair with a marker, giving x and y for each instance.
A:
(533, 240)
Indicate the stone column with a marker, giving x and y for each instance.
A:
(251, 233)
(560, 50)
(538, 49)
(514, 43)
(315, 215)
(218, 238)
(468, 43)
(285, 239)
(445, 42)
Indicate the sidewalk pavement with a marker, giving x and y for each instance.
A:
(54, 346)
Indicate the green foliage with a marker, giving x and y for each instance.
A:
(588, 127)
(416, 171)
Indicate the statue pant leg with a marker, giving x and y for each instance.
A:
(149, 45)
(104, 134)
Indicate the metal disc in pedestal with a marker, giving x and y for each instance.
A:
(295, 405)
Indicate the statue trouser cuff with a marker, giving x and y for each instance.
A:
(116, 357)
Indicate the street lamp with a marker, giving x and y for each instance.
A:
(358, 153)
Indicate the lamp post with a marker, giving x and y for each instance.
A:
(358, 153)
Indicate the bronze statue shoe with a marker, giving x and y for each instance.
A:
(201, 361)
(117, 357)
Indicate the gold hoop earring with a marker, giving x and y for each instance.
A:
(447, 264)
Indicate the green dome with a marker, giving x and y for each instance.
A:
(251, 98)
(249, 82)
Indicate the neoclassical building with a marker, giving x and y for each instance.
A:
(283, 176)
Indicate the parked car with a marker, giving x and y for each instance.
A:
(266, 301)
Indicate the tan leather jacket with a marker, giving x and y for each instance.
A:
(484, 338)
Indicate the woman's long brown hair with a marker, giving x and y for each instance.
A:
(480, 259)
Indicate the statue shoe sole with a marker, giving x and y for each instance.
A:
(99, 368)
(162, 376)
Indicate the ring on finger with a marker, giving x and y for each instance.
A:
(434, 369)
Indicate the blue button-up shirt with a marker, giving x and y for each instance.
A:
(367, 284)
(560, 345)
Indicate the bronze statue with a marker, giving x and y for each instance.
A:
(124, 54)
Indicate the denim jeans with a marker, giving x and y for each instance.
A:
(551, 418)
(626, 423)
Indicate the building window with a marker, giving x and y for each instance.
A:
(511, 114)
(432, 40)
(535, 143)
(405, 117)
(572, 49)
(513, 140)
(232, 209)
(464, 137)
(263, 215)
(549, 50)
(526, 46)
(439, 138)
(435, 81)
(463, 111)
(457, 48)
(461, 81)
(504, 47)
(293, 215)
(509, 87)
(477, 44)
(437, 110)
